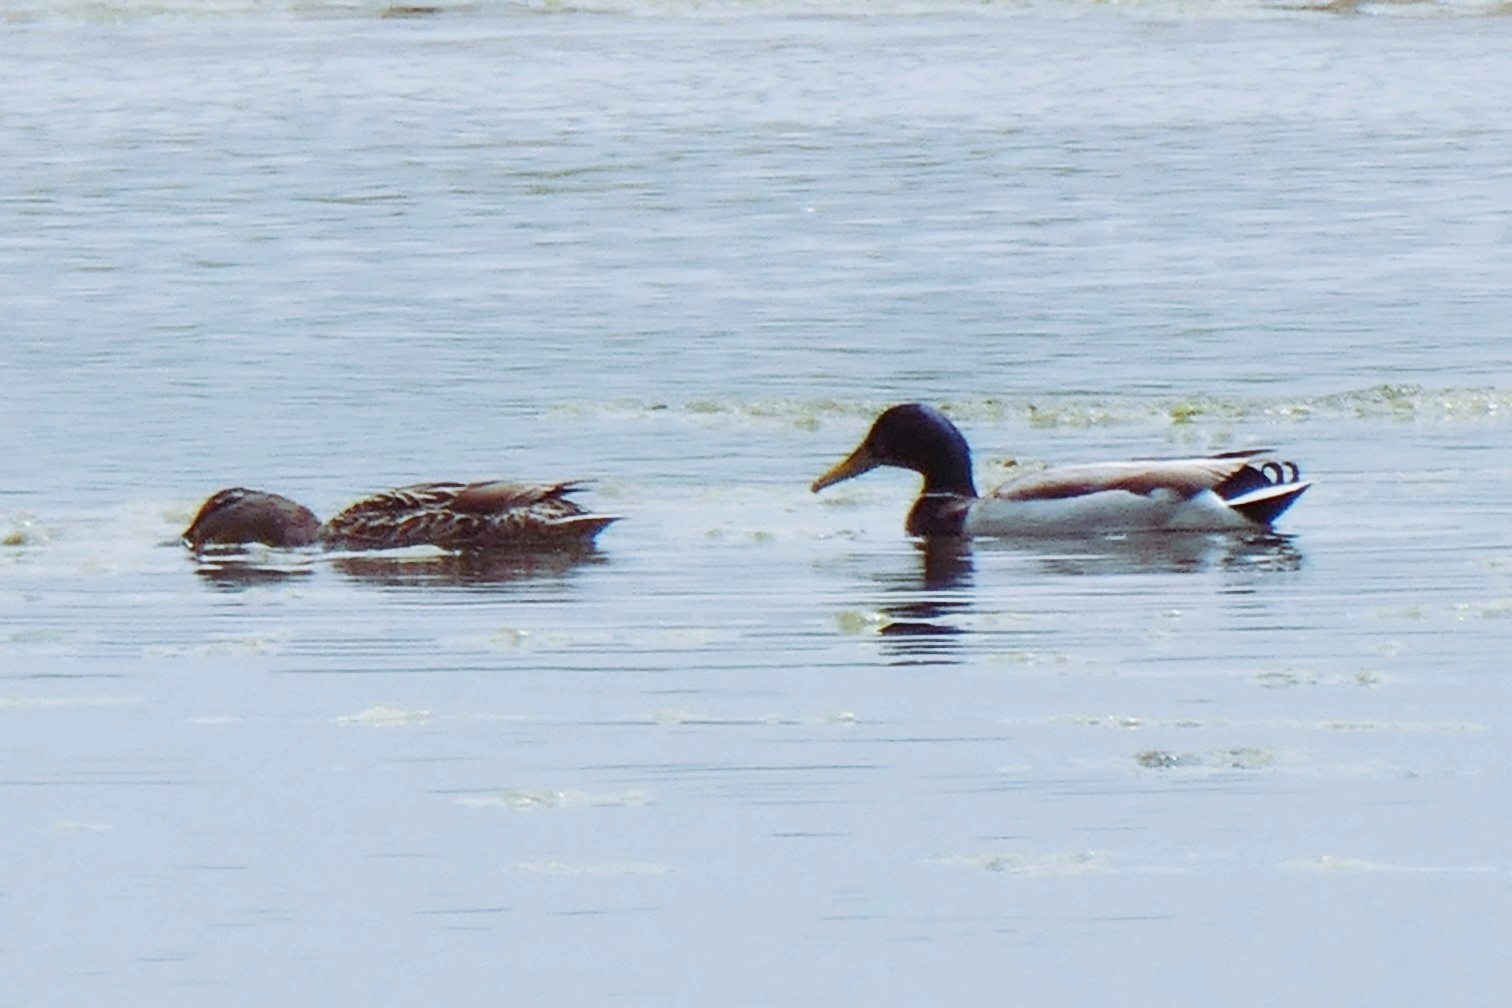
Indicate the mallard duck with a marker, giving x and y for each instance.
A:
(467, 516)
(237, 516)
(1234, 490)
(453, 516)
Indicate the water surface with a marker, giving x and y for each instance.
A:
(760, 748)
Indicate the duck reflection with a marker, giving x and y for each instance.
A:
(240, 572)
(1155, 553)
(242, 569)
(935, 593)
(927, 605)
(463, 570)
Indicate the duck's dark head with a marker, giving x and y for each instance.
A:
(912, 436)
(238, 516)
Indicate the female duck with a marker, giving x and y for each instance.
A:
(467, 516)
(452, 516)
(1225, 492)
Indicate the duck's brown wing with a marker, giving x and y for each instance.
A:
(496, 513)
(1184, 477)
(501, 514)
(500, 495)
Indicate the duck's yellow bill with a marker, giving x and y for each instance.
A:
(857, 462)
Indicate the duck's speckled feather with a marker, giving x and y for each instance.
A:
(466, 516)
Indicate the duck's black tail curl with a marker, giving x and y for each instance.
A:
(1258, 476)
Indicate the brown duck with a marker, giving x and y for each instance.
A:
(452, 516)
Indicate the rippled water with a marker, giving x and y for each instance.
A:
(760, 748)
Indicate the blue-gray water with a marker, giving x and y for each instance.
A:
(759, 749)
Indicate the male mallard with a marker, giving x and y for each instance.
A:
(453, 516)
(1230, 491)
